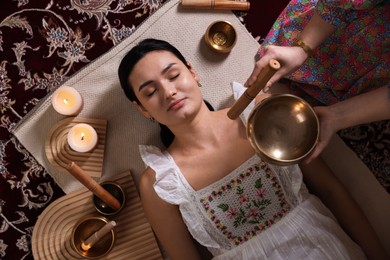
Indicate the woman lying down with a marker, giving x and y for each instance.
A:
(211, 187)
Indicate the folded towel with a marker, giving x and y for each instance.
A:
(103, 98)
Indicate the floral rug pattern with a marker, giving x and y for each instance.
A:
(42, 43)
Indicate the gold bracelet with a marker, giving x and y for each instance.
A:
(300, 43)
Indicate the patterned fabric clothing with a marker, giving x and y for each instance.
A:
(258, 211)
(353, 60)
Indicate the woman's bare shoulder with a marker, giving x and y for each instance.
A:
(147, 179)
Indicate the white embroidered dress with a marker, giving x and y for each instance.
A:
(258, 211)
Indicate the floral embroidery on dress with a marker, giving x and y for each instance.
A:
(247, 204)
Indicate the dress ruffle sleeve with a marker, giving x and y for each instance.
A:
(167, 178)
(171, 187)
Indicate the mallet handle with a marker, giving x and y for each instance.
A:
(216, 4)
(252, 91)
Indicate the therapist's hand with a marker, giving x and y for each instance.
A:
(260, 97)
(290, 59)
(328, 128)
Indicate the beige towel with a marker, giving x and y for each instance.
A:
(103, 98)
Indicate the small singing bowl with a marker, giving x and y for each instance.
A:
(86, 227)
(283, 129)
(221, 36)
(115, 190)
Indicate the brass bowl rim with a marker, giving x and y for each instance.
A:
(216, 47)
(122, 205)
(84, 219)
(261, 153)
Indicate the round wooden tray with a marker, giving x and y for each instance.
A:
(59, 153)
(135, 239)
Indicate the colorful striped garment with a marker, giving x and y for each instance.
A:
(353, 60)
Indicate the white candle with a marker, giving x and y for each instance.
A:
(67, 101)
(82, 138)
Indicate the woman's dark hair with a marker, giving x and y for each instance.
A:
(135, 55)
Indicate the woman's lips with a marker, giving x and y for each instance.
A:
(177, 104)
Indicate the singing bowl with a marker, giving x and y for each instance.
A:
(220, 36)
(84, 228)
(283, 129)
(115, 190)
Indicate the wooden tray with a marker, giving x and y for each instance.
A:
(59, 153)
(134, 240)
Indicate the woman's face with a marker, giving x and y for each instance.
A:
(167, 90)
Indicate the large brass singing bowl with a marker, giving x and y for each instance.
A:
(283, 129)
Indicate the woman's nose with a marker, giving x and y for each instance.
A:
(169, 91)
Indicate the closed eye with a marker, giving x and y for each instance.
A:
(151, 93)
(174, 77)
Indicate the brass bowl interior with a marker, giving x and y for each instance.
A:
(221, 36)
(115, 190)
(84, 229)
(283, 129)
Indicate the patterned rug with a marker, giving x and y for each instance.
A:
(42, 43)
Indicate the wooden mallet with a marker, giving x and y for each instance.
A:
(252, 91)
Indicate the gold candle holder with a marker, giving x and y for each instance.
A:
(86, 227)
(95, 237)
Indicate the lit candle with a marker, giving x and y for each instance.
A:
(82, 138)
(95, 237)
(67, 101)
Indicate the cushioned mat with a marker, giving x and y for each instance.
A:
(103, 98)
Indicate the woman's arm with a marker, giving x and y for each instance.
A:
(364, 108)
(166, 221)
(291, 58)
(323, 183)
(316, 32)
(327, 16)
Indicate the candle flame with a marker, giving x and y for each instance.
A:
(82, 136)
(85, 247)
(66, 101)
